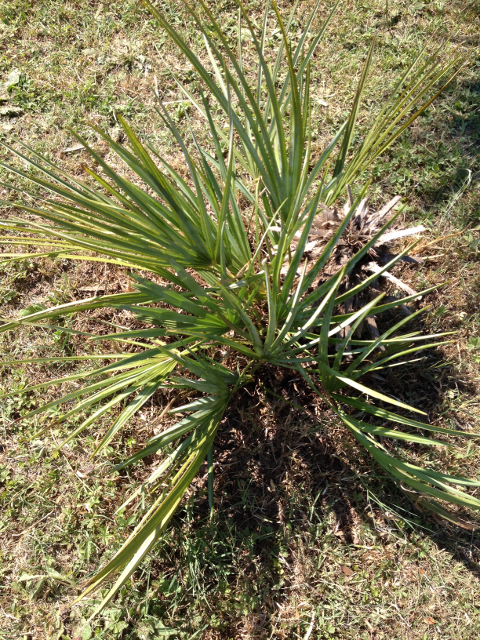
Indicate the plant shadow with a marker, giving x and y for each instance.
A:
(289, 479)
(437, 159)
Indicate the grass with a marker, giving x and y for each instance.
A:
(306, 541)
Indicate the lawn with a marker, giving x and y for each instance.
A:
(309, 538)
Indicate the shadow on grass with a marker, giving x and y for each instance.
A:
(289, 482)
(438, 157)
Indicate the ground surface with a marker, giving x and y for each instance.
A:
(309, 539)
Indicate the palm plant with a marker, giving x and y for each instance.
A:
(230, 279)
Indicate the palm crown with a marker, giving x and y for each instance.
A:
(227, 276)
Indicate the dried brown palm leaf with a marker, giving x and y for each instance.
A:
(364, 225)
